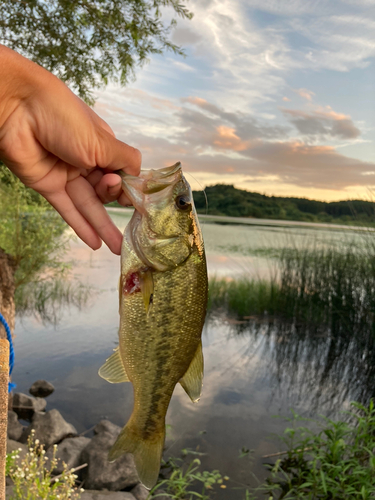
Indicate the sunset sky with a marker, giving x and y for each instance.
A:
(276, 97)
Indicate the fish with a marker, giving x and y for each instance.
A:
(163, 293)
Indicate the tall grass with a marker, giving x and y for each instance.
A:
(319, 285)
(330, 286)
(244, 296)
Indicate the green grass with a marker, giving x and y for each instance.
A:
(244, 296)
(329, 285)
(185, 480)
(337, 462)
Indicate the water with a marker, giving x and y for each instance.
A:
(253, 371)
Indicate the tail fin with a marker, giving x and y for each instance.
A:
(147, 452)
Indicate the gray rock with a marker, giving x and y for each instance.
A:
(9, 491)
(25, 405)
(101, 474)
(50, 428)
(140, 492)
(15, 445)
(107, 426)
(106, 495)
(69, 452)
(41, 389)
(15, 429)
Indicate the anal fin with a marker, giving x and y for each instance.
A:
(113, 369)
(192, 381)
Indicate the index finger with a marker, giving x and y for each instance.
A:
(90, 207)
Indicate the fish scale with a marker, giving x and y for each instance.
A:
(163, 299)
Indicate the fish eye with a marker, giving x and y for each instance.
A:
(183, 202)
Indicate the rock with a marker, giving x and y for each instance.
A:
(15, 429)
(9, 492)
(106, 495)
(140, 492)
(69, 451)
(101, 474)
(50, 428)
(107, 426)
(25, 406)
(15, 445)
(41, 389)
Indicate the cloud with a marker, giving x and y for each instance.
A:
(185, 36)
(323, 122)
(306, 94)
(286, 99)
(208, 139)
(294, 163)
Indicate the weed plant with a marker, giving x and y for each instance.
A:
(186, 481)
(337, 462)
(33, 479)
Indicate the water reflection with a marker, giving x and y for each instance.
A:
(315, 366)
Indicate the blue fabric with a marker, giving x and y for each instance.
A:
(11, 350)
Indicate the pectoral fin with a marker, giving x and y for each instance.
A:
(147, 288)
(192, 381)
(113, 369)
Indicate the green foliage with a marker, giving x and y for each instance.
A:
(87, 43)
(244, 296)
(338, 462)
(34, 235)
(33, 476)
(227, 200)
(184, 481)
(31, 232)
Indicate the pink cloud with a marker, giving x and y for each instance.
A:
(305, 93)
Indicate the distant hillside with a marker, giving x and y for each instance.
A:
(227, 200)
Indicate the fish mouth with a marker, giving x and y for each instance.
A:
(164, 172)
(149, 182)
(155, 174)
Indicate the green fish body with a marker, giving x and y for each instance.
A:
(163, 298)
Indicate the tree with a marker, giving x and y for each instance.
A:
(88, 43)
(34, 276)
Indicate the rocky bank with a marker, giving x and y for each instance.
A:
(100, 479)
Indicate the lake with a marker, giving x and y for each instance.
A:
(255, 370)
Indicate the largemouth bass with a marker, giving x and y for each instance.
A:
(163, 298)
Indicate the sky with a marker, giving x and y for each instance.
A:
(273, 96)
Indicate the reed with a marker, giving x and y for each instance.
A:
(327, 285)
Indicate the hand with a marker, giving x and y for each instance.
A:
(58, 146)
